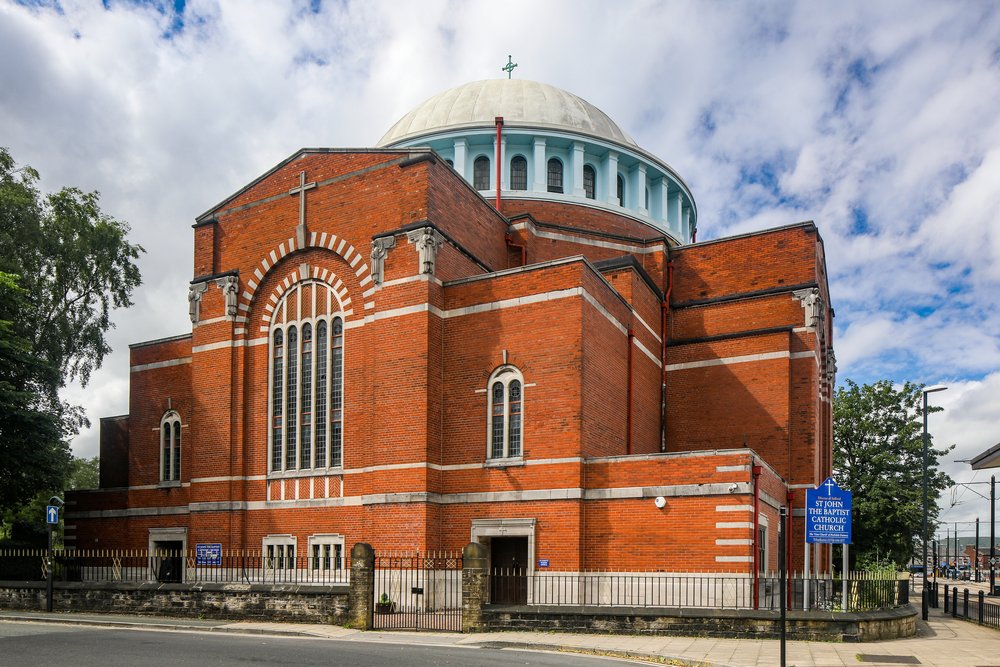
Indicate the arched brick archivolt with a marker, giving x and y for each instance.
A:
(307, 273)
(324, 240)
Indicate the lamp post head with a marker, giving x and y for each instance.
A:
(933, 388)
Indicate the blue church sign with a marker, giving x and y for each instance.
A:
(208, 554)
(828, 514)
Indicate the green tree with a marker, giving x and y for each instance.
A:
(32, 438)
(73, 265)
(878, 456)
(24, 526)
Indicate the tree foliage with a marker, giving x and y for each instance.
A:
(878, 456)
(66, 265)
(32, 437)
(25, 526)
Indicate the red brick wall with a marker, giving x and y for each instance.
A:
(414, 380)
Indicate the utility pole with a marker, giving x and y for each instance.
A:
(976, 556)
(947, 551)
(958, 559)
(993, 538)
(782, 566)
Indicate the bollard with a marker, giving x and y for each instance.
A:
(965, 603)
(982, 600)
(954, 601)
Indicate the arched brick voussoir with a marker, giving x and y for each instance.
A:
(324, 240)
(325, 276)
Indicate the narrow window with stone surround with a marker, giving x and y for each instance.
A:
(326, 552)
(305, 415)
(277, 393)
(518, 173)
(306, 380)
(337, 394)
(555, 175)
(279, 552)
(589, 179)
(170, 447)
(321, 375)
(291, 398)
(505, 409)
(481, 173)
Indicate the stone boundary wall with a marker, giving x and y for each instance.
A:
(257, 602)
(719, 623)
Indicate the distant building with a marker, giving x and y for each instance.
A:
(378, 354)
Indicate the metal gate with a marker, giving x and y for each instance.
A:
(418, 591)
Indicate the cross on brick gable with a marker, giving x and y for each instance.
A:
(301, 189)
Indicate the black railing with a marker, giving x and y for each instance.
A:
(976, 609)
(693, 591)
(171, 566)
(418, 591)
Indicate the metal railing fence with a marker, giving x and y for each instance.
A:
(230, 566)
(705, 591)
(977, 609)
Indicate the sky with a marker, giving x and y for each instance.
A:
(880, 121)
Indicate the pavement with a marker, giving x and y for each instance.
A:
(941, 641)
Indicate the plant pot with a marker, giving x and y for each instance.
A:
(385, 607)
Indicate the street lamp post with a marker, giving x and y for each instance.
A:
(993, 523)
(923, 593)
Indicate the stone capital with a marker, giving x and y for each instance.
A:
(194, 300)
(427, 241)
(380, 250)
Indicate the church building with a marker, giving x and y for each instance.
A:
(496, 325)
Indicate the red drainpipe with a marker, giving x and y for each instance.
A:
(756, 471)
(664, 312)
(518, 246)
(628, 396)
(499, 122)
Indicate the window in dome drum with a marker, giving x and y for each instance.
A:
(519, 173)
(589, 178)
(481, 173)
(621, 190)
(555, 176)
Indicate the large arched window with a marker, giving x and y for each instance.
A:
(306, 379)
(170, 447)
(519, 173)
(589, 178)
(555, 175)
(505, 409)
(481, 173)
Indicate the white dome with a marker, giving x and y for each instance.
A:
(521, 104)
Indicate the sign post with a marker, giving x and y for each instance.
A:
(783, 582)
(51, 519)
(828, 520)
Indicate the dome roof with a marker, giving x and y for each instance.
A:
(521, 103)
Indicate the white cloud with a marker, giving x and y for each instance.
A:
(773, 112)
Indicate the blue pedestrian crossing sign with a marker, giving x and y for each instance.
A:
(52, 514)
(828, 514)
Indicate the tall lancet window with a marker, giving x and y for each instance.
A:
(170, 447)
(306, 377)
(505, 410)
